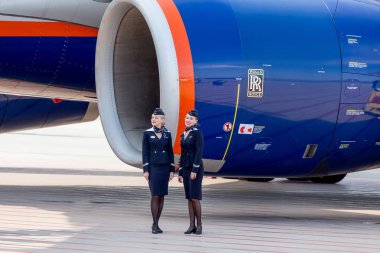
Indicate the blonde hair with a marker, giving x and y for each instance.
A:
(163, 119)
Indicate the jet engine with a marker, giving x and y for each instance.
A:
(284, 89)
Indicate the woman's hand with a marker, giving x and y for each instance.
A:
(180, 179)
(171, 176)
(146, 175)
(193, 176)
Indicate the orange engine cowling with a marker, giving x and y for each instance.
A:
(139, 66)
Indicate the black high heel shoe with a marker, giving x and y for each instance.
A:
(190, 230)
(198, 231)
(159, 230)
(155, 229)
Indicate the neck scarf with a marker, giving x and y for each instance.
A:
(160, 130)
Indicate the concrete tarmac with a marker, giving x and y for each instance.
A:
(63, 190)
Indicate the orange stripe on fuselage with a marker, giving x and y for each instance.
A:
(185, 65)
(44, 29)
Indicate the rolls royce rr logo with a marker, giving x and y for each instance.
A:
(255, 83)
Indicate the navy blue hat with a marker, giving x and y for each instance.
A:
(194, 113)
(158, 111)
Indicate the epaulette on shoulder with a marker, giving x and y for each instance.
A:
(150, 130)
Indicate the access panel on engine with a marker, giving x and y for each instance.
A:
(217, 106)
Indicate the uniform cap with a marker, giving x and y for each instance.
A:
(194, 113)
(158, 111)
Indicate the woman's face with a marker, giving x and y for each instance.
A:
(190, 120)
(157, 120)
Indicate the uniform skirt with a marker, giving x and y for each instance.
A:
(159, 179)
(193, 188)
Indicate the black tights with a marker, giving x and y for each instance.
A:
(195, 211)
(156, 205)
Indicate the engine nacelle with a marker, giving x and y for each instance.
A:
(283, 88)
(136, 71)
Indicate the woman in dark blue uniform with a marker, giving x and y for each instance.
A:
(158, 164)
(191, 169)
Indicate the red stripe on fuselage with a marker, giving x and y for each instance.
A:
(44, 29)
(185, 65)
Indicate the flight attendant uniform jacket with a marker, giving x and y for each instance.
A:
(158, 160)
(156, 151)
(191, 151)
(191, 161)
